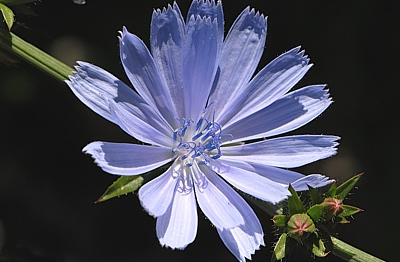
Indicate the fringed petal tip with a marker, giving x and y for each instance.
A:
(78, 70)
(258, 18)
(94, 151)
(313, 180)
(242, 243)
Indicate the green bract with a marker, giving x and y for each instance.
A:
(8, 15)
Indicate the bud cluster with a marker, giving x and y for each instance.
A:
(312, 221)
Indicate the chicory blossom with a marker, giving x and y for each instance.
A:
(199, 107)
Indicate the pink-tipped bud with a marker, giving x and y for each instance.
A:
(299, 224)
(333, 206)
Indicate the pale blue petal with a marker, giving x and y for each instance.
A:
(216, 199)
(95, 87)
(314, 181)
(177, 228)
(242, 50)
(280, 176)
(101, 91)
(250, 182)
(208, 9)
(156, 195)
(145, 76)
(244, 240)
(270, 84)
(288, 152)
(201, 54)
(167, 39)
(288, 113)
(128, 159)
(141, 126)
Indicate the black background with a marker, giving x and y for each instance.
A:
(48, 187)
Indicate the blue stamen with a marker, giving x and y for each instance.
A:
(209, 139)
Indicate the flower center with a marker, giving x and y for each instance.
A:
(196, 144)
(199, 142)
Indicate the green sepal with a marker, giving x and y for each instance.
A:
(349, 211)
(332, 191)
(315, 212)
(314, 196)
(342, 220)
(295, 204)
(280, 248)
(318, 248)
(280, 220)
(121, 186)
(347, 186)
(8, 15)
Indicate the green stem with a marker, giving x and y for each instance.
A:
(34, 55)
(16, 2)
(350, 253)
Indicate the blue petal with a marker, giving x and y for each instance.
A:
(286, 114)
(156, 195)
(242, 50)
(99, 90)
(128, 159)
(167, 40)
(95, 87)
(217, 200)
(201, 54)
(177, 228)
(280, 176)
(270, 84)
(250, 182)
(244, 240)
(289, 151)
(208, 9)
(314, 181)
(145, 76)
(140, 124)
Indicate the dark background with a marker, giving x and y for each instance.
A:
(48, 187)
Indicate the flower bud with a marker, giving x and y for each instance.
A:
(299, 224)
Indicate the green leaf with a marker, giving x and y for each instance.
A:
(314, 195)
(347, 186)
(8, 15)
(295, 204)
(280, 220)
(315, 212)
(280, 248)
(332, 190)
(349, 211)
(122, 186)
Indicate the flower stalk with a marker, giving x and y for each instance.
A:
(33, 55)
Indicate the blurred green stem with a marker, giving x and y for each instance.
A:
(350, 253)
(34, 55)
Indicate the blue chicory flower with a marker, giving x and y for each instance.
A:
(198, 106)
